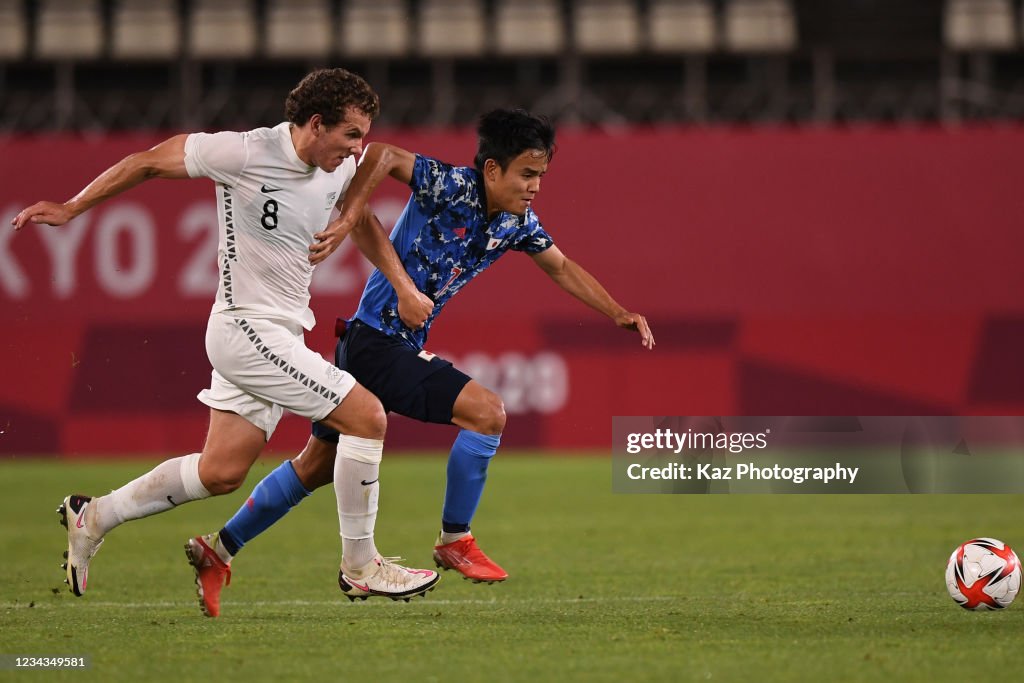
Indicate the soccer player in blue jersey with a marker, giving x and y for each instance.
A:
(458, 221)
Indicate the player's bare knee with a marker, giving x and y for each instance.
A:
(224, 480)
(360, 414)
(496, 417)
(375, 422)
(366, 419)
(479, 409)
(490, 417)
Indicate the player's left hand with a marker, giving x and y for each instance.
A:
(635, 321)
(328, 240)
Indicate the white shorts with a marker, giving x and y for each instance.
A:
(261, 367)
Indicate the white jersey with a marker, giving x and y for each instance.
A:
(269, 205)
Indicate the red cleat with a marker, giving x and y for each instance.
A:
(212, 573)
(465, 557)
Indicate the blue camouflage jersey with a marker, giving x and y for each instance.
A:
(445, 239)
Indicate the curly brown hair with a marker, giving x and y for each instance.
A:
(330, 92)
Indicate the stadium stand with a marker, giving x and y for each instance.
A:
(215, 63)
(145, 29)
(606, 26)
(682, 26)
(759, 26)
(375, 28)
(452, 28)
(13, 30)
(222, 29)
(299, 28)
(528, 27)
(980, 25)
(69, 29)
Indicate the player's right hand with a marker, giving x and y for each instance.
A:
(331, 237)
(49, 213)
(414, 308)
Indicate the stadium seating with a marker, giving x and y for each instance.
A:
(650, 60)
(528, 27)
(151, 29)
(980, 25)
(759, 26)
(681, 26)
(145, 29)
(69, 29)
(374, 28)
(13, 30)
(606, 26)
(222, 29)
(299, 28)
(450, 28)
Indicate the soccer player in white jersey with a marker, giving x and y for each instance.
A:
(276, 188)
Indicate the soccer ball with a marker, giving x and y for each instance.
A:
(983, 574)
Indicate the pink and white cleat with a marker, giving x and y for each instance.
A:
(81, 545)
(383, 577)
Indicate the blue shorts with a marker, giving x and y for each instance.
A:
(407, 381)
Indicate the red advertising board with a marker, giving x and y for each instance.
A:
(784, 272)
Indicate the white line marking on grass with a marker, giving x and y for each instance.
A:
(345, 603)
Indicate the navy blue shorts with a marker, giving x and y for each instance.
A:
(413, 383)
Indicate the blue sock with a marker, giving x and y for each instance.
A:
(467, 472)
(271, 500)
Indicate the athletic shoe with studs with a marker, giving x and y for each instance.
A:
(212, 573)
(383, 577)
(465, 557)
(81, 545)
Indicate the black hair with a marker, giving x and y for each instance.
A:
(504, 134)
(330, 92)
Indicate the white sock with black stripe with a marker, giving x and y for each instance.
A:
(357, 487)
(167, 485)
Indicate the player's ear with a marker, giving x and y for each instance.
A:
(491, 169)
(316, 124)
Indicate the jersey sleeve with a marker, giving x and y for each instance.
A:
(221, 157)
(531, 237)
(435, 183)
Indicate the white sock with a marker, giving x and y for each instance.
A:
(356, 485)
(167, 485)
(447, 537)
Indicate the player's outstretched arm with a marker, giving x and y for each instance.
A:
(414, 307)
(166, 160)
(379, 160)
(571, 277)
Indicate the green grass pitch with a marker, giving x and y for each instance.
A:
(603, 587)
